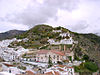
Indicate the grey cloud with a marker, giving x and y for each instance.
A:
(83, 20)
(63, 4)
(40, 13)
(80, 26)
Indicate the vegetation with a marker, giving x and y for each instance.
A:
(86, 67)
(22, 67)
(68, 46)
(88, 47)
(14, 63)
(50, 62)
(85, 57)
(88, 44)
(76, 57)
(70, 58)
(91, 66)
(24, 55)
(65, 61)
(44, 47)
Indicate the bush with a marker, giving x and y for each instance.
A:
(77, 69)
(65, 61)
(70, 58)
(91, 66)
(22, 67)
(85, 57)
(77, 58)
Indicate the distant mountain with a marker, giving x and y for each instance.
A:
(10, 34)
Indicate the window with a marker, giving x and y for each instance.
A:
(41, 57)
(45, 55)
(57, 57)
(34, 56)
(49, 56)
(38, 58)
(54, 57)
(66, 57)
(71, 69)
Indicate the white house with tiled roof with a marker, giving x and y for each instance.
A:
(67, 39)
(55, 55)
(63, 41)
(57, 31)
(43, 56)
(64, 34)
(61, 70)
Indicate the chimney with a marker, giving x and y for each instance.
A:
(64, 47)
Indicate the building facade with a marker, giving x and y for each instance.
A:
(43, 56)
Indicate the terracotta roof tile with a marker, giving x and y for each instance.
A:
(51, 73)
(43, 52)
(8, 65)
(60, 69)
(29, 73)
(62, 66)
(39, 74)
(58, 52)
(48, 73)
(56, 73)
(69, 67)
(54, 51)
(68, 51)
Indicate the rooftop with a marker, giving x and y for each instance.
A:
(52, 73)
(53, 51)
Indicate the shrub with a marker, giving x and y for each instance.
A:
(85, 57)
(50, 62)
(77, 58)
(22, 67)
(76, 69)
(70, 58)
(91, 66)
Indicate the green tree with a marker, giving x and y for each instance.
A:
(85, 57)
(76, 57)
(70, 58)
(50, 62)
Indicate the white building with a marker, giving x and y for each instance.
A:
(6, 73)
(60, 70)
(10, 54)
(64, 34)
(63, 41)
(55, 56)
(57, 31)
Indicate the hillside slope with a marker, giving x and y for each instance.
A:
(88, 44)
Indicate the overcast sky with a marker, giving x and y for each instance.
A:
(77, 15)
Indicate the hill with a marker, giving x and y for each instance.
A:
(88, 44)
(10, 34)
